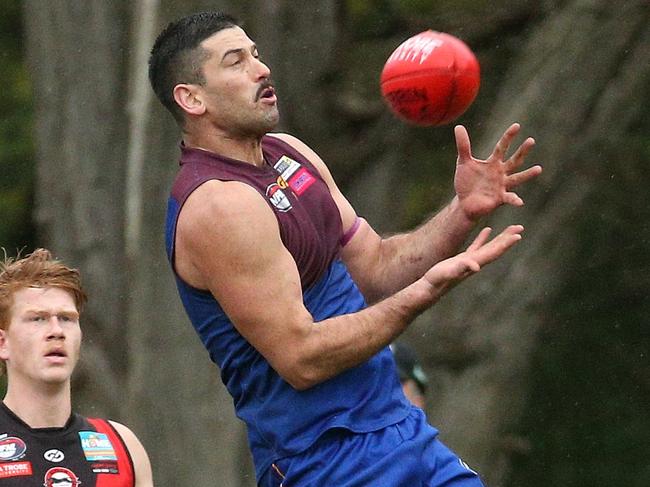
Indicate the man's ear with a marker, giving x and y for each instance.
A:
(4, 350)
(188, 99)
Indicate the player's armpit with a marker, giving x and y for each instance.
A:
(362, 251)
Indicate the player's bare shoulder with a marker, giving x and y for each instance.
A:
(222, 203)
(218, 220)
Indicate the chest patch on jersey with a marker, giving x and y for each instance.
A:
(277, 197)
(60, 477)
(11, 448)
(105, 467)
(97, 446)
(15, 469)
(297, 177)
(54, 455)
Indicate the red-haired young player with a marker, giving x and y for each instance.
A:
(42, 442)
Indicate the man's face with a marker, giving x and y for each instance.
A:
(41, 344)
(238, 92)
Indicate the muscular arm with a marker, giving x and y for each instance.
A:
(141, 464)
(228, 241)
(383, 266)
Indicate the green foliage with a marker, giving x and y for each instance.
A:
(16, 148)
(372, 18)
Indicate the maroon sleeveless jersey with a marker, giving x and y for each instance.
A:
(85, 452)
(310, 227)
(281, 420)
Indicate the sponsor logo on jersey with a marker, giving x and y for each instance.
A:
(301, 181)
(277, 197)
(15, 469)
(60, 477)
(54, 455)
(282, 183)
(298, 178)
(286, 167)
(105, 467)
(11, 448)
(97, 446)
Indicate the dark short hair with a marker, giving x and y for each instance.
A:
(177, 57)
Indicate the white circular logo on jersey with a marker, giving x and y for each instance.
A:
(54, 455)
(60, 477)
(278, 198)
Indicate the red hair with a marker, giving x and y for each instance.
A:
(38, 269)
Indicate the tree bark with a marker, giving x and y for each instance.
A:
(74, 51)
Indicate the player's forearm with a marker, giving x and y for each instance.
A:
(406, 257)
(340, 343)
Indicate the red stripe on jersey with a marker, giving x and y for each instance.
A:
(126, 477)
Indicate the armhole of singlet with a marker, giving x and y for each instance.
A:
(104, 426)
(347, 236)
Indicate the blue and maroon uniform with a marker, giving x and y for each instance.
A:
(282, 421)
(86, 452)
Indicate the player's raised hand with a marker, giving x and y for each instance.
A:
(484, 185)
(447, 273)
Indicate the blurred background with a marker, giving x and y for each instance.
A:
(538, 367)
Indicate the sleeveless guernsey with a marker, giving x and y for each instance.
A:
(282, 421)
(84, 453)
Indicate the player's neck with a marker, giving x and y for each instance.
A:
(40, 407)
(246, 149)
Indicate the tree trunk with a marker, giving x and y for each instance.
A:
(74, 51)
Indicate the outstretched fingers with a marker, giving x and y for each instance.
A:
(498, 246)
(521, 177)
(502, 146)
(449, 272)
(512, 198)
(480, 239)
(463, 145)
(517, 159)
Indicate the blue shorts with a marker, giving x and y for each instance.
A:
(407, 454)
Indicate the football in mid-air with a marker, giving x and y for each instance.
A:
(430, 79)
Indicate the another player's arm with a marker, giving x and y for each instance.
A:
(141, 463)
(228, 241)
(382, 266)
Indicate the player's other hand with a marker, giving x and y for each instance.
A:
(447, 273)
(484, 185)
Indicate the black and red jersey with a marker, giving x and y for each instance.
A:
(86, 452)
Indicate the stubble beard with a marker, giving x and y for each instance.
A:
(260, 126)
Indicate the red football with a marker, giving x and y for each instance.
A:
(430, 79)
